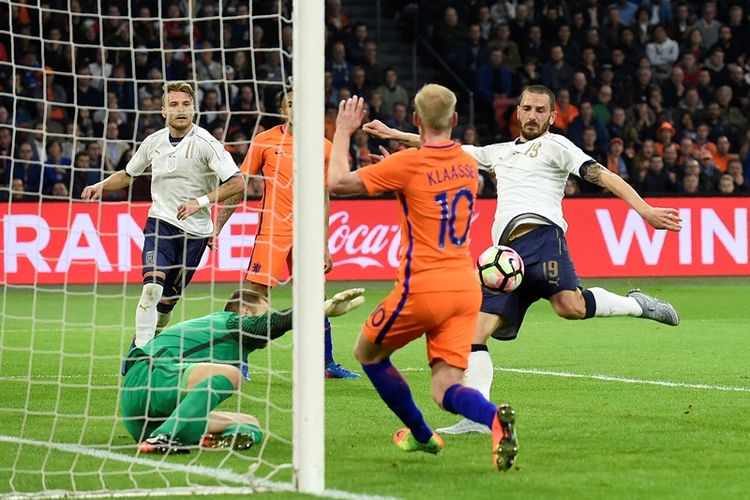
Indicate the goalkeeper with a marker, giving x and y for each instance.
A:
(190, 368)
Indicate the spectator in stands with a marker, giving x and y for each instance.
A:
(584, 120)
(359, 85)
(519, 25)
(336, 20)
(375, 106)
(210, 112)
(272, 70)
(738, 85)
(602, 105)
(355, 44)
(679, 27)
(122, 86)
(551, 21)
(56, 168)
(732, 50)
(28, 169)
(708, 26)
(627, 11)
(658, 179)
(616, 161)
(114, 147)
(207, 69)
(206, 28)
(723, 155)
(717, 125)
(145, 29)
(739, 26)
(664, 135)
(373, 69)
(485, 23)
(175, 67)
(708, 170)
(533, 46)
(360, 150)
(566, 111)
(590, 147)
(174, 29)
(83, 174)
(100, 69)
(392, 92)
(642, 26)
(557, 72)
(642, 119)
(691, 184)
(475, 53)
(580, 90)
(400, 119)
(726, 185)
(502, 40)
(339, 67)
(245, 111)
(714, 65)
(570, 47)
(734, 169)
(6, 155)
(86, 95)
(662, 53)
(674, 88)
(529, 74)
(494, 88)
(503, 11)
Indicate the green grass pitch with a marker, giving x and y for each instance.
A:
(607, 408)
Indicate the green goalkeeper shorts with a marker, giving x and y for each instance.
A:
(151, 391)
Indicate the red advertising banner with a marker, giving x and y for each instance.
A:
(87, 243)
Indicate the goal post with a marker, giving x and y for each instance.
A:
(309, 241)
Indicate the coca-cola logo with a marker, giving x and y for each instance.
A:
(363, 245)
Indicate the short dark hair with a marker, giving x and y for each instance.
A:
(243, 298)
(541, 89)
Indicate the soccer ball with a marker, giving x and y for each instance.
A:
(500, 269)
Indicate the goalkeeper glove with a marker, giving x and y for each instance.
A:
(343, 302)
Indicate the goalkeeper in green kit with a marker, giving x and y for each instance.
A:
(173, 383)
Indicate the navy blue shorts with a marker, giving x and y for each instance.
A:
(548, 270)
(169, 249)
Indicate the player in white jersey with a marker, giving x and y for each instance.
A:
(531, 173)
(190, 171)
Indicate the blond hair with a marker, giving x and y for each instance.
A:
(177, 87)
(435, 106)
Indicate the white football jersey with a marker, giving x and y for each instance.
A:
(531, 179)
(180, 173)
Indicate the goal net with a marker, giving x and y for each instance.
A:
(80, 88)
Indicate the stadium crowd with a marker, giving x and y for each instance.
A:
(657, 91)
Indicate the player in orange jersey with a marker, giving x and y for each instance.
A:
(271, 155)
(437, 293)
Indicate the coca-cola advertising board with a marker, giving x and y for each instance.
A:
(87, 243)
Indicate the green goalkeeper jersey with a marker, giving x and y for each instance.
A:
(221, 337)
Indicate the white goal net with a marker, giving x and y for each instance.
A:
(80, 88)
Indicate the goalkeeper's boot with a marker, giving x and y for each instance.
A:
(465, 426)
(504, 442)
(335, 370)
(245, 369)
(122, 366)
(404, 439)
(162, 444)
(238, 441)
(655, 309)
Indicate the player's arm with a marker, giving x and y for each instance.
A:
(378, 129)
(232, 187)
(227, 209)
(657, 217)
(327, 259)
(257, 331)
(118, 180)
(341, 180)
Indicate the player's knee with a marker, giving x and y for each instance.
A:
(234, 375)
(570, 309)
(150, 294)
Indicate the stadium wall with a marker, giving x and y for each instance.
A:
(102, 243)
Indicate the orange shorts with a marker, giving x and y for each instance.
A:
(449, 320)
(271, 255)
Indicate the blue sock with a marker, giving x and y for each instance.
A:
(394, 390)
(470, 403)
(328, 341)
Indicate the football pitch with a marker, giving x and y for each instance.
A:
(606, 408)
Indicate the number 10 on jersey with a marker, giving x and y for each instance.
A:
(448, 209)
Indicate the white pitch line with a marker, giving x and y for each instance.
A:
(624, 380)
(221, 474)
(523, 371)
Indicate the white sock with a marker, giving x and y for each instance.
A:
(480, 373)
(610, 304)
(146, 314)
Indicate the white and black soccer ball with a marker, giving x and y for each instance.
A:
(500, 269)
